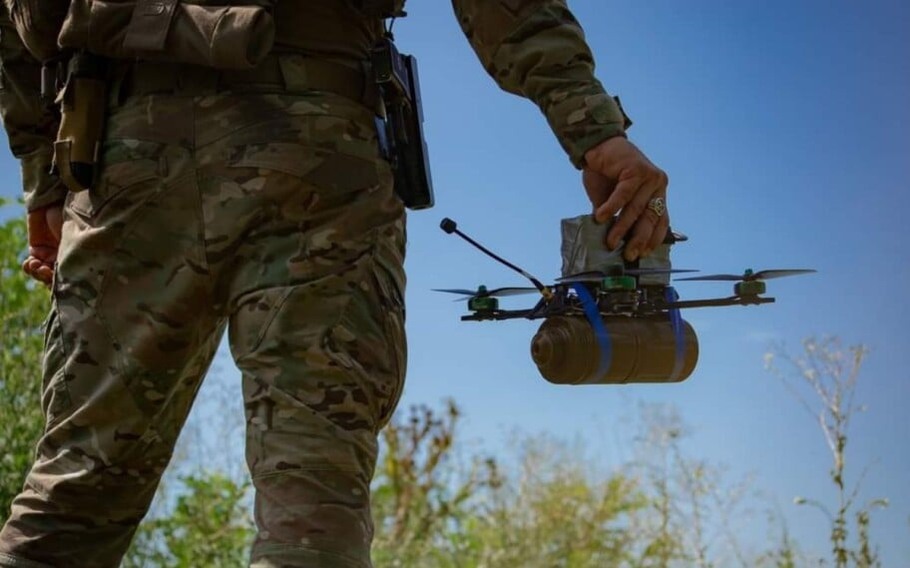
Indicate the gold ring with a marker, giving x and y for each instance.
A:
(658, 206)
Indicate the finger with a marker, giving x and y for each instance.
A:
(632, 212)
(597, 186)
(623, 193)
(46, 254)
(38, 270)
(657, 237)
(44, 274)
(30, 265)
(642, 232)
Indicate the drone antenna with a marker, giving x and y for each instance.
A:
(450, 226)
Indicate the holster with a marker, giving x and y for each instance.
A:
(401, 129)
(83, 105)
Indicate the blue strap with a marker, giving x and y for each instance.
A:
(678, 333)
(597, 323)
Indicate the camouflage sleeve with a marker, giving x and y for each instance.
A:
(537, 49)
(30, 127)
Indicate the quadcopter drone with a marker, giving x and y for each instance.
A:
(617, 325)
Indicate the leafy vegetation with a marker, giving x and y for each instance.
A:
(823, 378)
(23, 306)
(210, 525)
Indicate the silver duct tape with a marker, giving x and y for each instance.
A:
(583, 250)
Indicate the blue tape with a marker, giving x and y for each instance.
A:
(597, 323)
(678, 333)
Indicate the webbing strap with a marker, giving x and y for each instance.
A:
(600, 331)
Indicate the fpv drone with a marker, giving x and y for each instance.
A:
(616, 325)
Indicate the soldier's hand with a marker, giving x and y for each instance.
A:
(44, 228)
(620, 179)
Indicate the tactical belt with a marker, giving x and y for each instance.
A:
(278, 73)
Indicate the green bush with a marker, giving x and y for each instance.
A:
(23, 306)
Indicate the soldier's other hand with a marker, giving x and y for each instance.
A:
(619, 178)
(44, 228)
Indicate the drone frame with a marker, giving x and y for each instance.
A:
(614, 293)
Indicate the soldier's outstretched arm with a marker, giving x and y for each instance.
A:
(537, 49)
(32, 129)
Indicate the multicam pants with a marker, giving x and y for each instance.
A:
(271, 215)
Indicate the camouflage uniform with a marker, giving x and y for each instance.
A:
(268, 212)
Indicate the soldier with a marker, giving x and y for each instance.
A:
(253, 198)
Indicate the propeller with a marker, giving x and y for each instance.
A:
(482, 292)
(598, 275)
(750, 276)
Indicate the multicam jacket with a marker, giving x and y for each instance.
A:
(533, 48)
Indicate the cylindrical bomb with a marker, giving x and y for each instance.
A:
(636, 350)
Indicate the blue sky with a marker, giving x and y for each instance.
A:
(785, 129)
